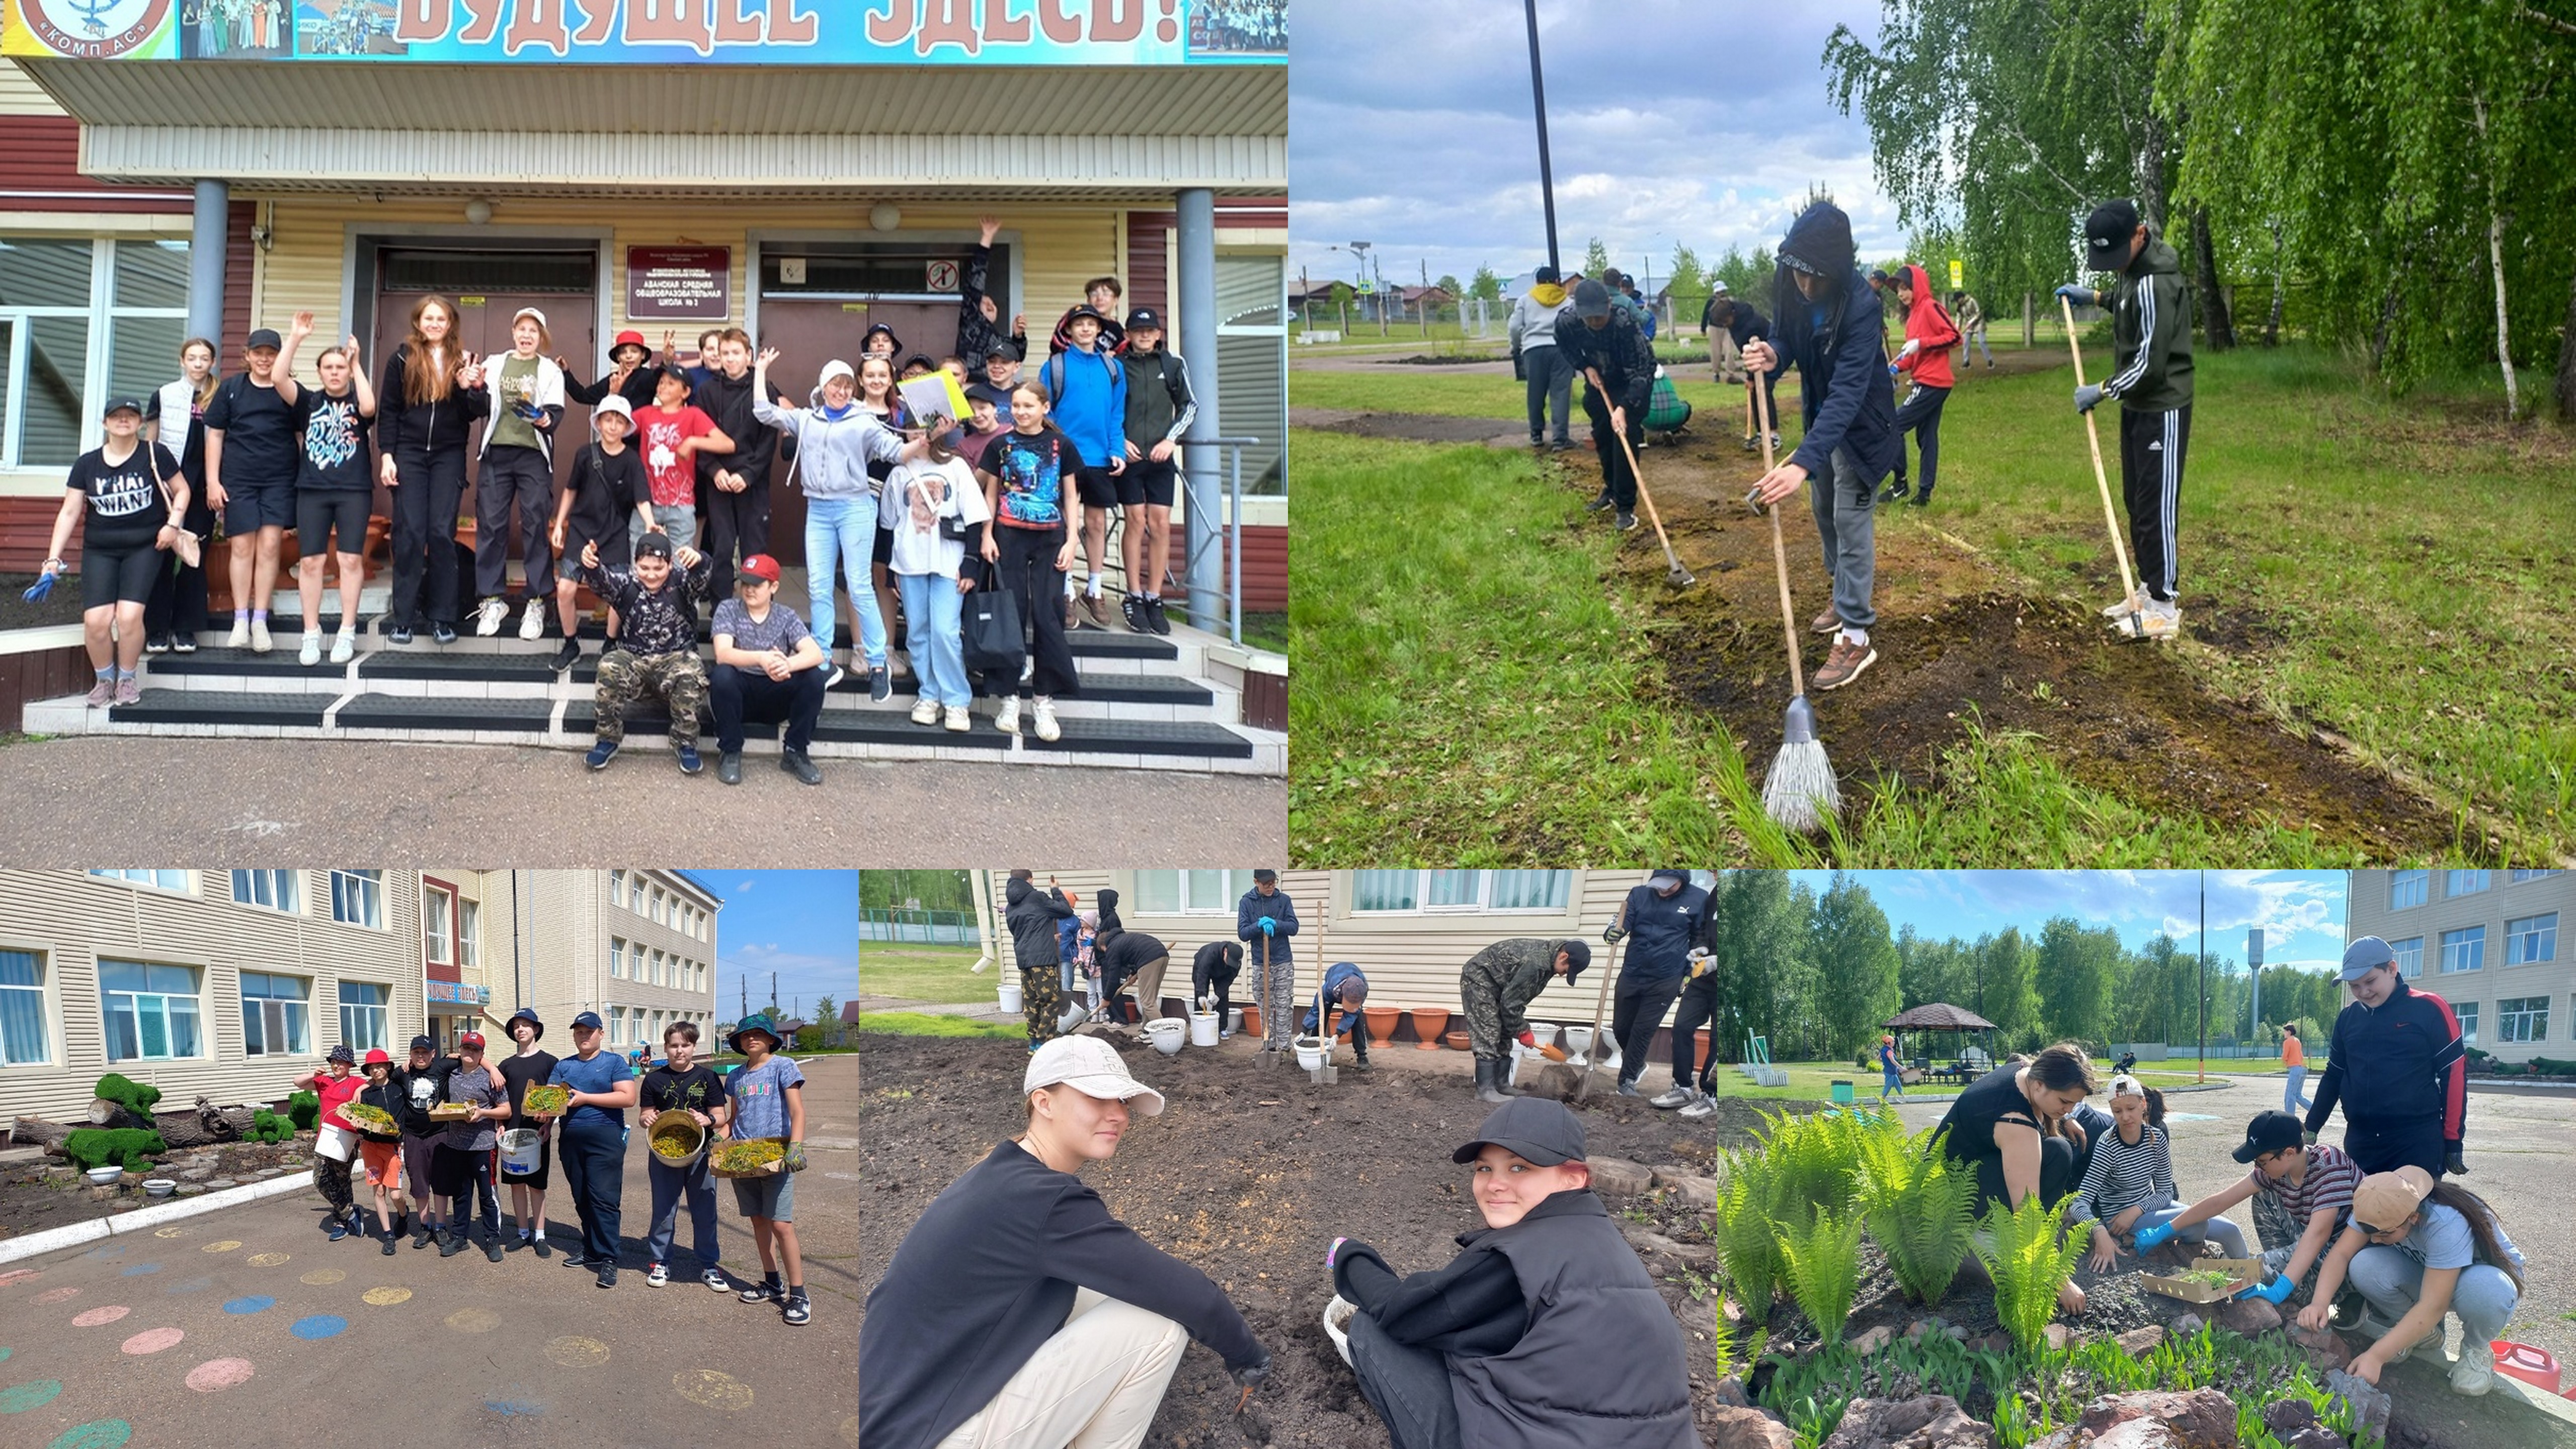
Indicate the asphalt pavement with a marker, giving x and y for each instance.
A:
(248, 1325)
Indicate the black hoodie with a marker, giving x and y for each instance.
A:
(728, 401)
(1837, 341)
(1031, 918)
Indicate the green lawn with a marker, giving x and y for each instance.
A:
(917, 1023)
(1481, 695)
(923, 973)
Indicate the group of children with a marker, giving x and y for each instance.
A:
(672, 487)
(431, 1175)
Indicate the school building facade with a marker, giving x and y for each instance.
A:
(230, 984)
(2487, 942)
(799, 170)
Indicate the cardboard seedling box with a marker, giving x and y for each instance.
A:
(2242, 1273)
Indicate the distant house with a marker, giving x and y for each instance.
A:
(1414, 298)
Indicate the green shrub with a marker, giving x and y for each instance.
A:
(2029, 1262)
(1742, 1232)
(304, 1109)
(267, 1126)
(128, 1147)
(125, 1092)
(1823, 1266)
(1917, 1203)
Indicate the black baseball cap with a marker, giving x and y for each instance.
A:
(1538, 1129)
(1591, 299)
(1265, 873)
(123, 403)
(264, 337)
(1543, 274)
(423, 1044)
(2106, 235)
(999, 397)
(2270, 1132)
(1578, 954)
(1086, 310)
(658, 544)
(1144, 317)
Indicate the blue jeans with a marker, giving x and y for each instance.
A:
(2294, 1097)
(1891, 1085)
(594, 1164)
(2393, 1282)
(2162, 1209)
(669, 1184)
(932, 609)
(842, 532)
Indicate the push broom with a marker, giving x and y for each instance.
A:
(1800, 792)
(2093, 434)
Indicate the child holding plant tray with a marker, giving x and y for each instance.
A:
(2308, 1185)
(682, 1088)
(768, 1101)
(374, 1114)
(2130, 1183)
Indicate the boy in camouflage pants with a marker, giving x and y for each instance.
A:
(1264, 920)
(656, 652)
(1497, 985)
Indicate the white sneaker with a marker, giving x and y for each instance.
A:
(1008, 719)
(925, 711)
(239, 638)
(2136, 601)
(659, 1276)
(1048, 729)
(532, 624)
(344, 645)
(1673, 1097)
(2475, 1373)
(488, 616)
(259, 640)
(1700, 1107)
(2156, 622)
(960, 718)
(2372, 1327)
(311, 653)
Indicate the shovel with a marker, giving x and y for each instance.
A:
(1600, 1005)
(1327, 1074)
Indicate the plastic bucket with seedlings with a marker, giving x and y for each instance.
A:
(522, 1149)
(677, 1140)
(1166, 1033)
(1337, 1324)
(1009, 992)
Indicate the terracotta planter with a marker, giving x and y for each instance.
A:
(1252, 1020)
(1381, 1023)
(1699, 1053)
(1428, 1023)
(1459, 1041)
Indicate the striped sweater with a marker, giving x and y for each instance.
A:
(2123, 1174)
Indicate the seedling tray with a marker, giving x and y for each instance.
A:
(451, 1112)
(736, 1158)
(2188, 1291)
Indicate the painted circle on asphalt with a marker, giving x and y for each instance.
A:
(252, 1304)
(573, 1351)
(104, 1313)
(320, 1325)
(115, 1251)
(514, 1408)
(190, 1285)
(386, 1297)
(139, 1269)
(217, 1374)
(20, 1275)
(323, 1277)
(153, 1340)
(171, 1232)
(4, 1354)
(96, 1434)
(267, 1260)
(221, 1245)
(58, 1295)
(474, 1320)
(710, 1389)
(33, 1394)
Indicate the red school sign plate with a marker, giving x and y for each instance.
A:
(678, 284)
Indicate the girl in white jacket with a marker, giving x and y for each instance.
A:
(919, 500)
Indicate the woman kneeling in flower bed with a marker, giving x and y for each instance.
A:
(2012, 1127)
(2418, 1249)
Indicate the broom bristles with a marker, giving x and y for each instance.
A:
(1801, 792)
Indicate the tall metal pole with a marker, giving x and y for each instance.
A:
(2204, 976)
(1538, 103)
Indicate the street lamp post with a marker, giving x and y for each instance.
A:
(1538, 104)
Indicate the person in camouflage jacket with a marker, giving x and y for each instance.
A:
(1497, 985)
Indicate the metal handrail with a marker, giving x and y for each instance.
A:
(1229, 529)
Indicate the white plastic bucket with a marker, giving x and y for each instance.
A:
(1010, 993)
(1337, 1324)
(1203, 1025)
(337, 1143)
(521, 1149)
(1310, 1053)
(1234, 1018)
(1167, 1033)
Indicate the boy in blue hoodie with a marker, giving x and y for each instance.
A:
(1086, 388)
(1829, 322)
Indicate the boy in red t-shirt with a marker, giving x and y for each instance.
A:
(670, 433)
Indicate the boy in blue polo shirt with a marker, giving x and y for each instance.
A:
(768, 1099)
(594, 1142)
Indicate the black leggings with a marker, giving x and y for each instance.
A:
(2056, 1175)
(424, 535)
(1028, 570)
(1407, 1385)
(1698, 1009)
(1921, 416)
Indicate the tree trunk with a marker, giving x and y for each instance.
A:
(36, 1131)
(2215, 312)
(104, 1113)
(2567, 360)
(2029, 324)
(203, 1125)
(2151, 173)
(2272, 323)
(2496, 220)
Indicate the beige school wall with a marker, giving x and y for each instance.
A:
(70, 920)
(2539, 894)
(1411, 958)
(566, 920)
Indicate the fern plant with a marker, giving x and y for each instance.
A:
(2029, 1262)
(1823, 1265)
(1917, 1204)
(1725, 1340)
(1815, 1163)
(1742, 1231)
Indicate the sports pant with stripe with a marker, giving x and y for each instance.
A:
(2151, 455)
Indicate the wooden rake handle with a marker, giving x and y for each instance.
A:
(1780, 551)
(2093, 435)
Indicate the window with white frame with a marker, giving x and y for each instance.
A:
(151, 1010)
(2522, 1019)
(617, 958)
(617, 887)
(2409, 954)
(274, 1015)
(436, 944)
(2528, 939)
(469, 927)
(275, 889)
(80, 320)
(2464, 882)
(358, 897)
(1492, 891)
(2468, 1015)
(2521, 876)
(363, 1005)
(2464, 949)
(1190, 892)
(617, 1023)
(167, 880)
(2406, 888)
(22, 1008)
(661, 907)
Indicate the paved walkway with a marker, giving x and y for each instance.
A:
(250, 1326)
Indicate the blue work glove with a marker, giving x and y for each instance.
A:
(2088, 397)
(2272, 1292)
(2079, 295)
(1269, 925)
(1893, 369)
(42, 586)
(2153, 1237)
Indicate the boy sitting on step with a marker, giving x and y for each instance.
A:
(656, 653)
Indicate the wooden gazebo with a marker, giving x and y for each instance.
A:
(1938, 1016)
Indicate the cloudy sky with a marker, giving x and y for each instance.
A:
(1668, 120)
(2301, 911)
(802, 924)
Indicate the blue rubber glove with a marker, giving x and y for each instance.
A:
(2088, 397)
(2079, 295)
(2152, 1237)
(40, 588)
(1269, 926)
(2272, 1292)
(1893, 369)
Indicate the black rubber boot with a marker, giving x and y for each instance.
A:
(1489, 1086)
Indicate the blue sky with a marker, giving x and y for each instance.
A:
(1410, 127)
(802, 924)
(2301, 911)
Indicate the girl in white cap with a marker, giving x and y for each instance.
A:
(2417, 1250)
(527, 391)
(1018, 1313)
(2129, 1182)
